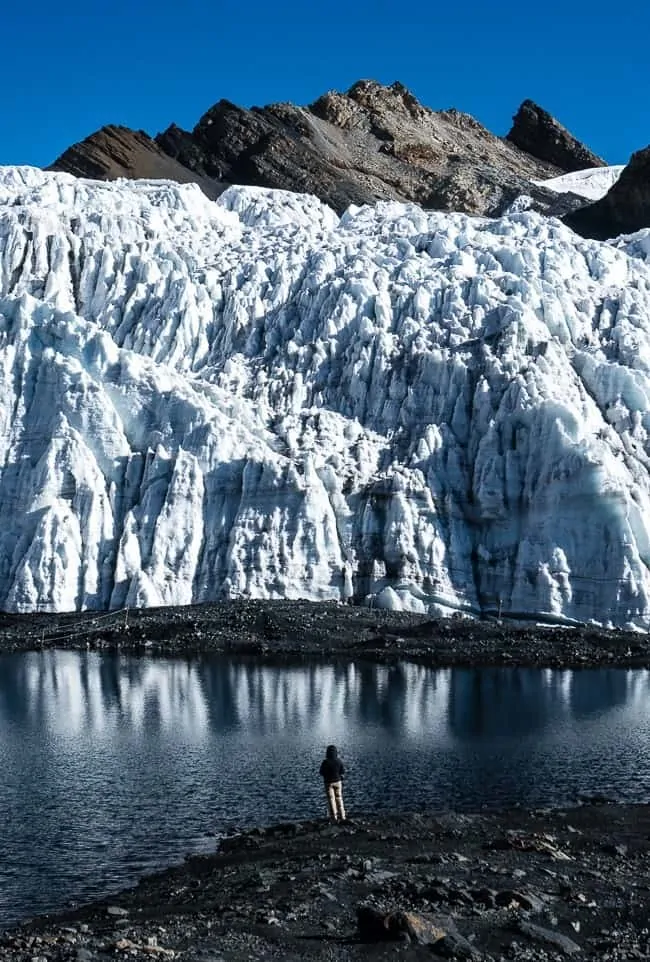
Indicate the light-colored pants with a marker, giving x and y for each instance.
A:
(335, 808)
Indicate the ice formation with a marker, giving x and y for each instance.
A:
(592, 183)
(253, 398)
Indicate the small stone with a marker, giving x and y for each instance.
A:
(525, 900)
(116, 911)
(556, 939)
(484, 896)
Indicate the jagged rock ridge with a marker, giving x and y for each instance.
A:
(371, 143)
(538, 133)
(114, 152)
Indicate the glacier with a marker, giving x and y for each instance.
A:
(253, 397)
(592, 183)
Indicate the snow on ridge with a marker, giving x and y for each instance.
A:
(251, 397)
(592, 183)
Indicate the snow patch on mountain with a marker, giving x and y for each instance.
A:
(252, 397)
(592, 183)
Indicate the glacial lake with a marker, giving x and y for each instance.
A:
(113, 766)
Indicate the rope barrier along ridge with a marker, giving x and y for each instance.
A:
(86, 626)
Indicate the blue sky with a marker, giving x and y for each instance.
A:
(68, 68)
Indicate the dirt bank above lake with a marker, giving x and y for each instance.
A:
(494, 886)
(301, 630)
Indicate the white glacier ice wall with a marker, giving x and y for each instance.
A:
(592, 183)
(254, 398)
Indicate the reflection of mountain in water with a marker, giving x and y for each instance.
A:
(65, 692)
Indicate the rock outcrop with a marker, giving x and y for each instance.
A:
(372, 143)
(540, 135)
(624, 209)
(115, 151)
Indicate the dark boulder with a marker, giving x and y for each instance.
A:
(378, 925)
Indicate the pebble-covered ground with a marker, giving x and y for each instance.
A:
(541, 885)
(302, 630)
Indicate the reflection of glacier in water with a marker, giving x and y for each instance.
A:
(69, 692)
(115, 765)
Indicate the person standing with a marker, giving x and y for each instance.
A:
(332, 769)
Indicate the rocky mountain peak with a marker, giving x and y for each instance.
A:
(395, 98)
(115, 151)
(541, 135)
(373, 142)
(109, 152)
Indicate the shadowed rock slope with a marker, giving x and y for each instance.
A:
(539, 134)
(624, 209)
(114, 152)
(372, 143)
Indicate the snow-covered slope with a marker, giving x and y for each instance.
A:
(592, 183)
(253, 398)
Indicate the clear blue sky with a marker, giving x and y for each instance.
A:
(68, 68)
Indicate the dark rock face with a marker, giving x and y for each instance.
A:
(624, 209)
(372, 143)
(540, 135)
(114, 152)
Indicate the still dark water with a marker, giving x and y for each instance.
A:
(112, 766)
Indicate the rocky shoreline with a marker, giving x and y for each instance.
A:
(307, 631)
(539, 884)
(516, 884)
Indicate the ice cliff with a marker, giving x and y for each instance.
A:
(253, 397)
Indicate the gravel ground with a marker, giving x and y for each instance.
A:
(300, 630)
(494, 886)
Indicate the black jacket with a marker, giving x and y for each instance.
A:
(332, 768)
